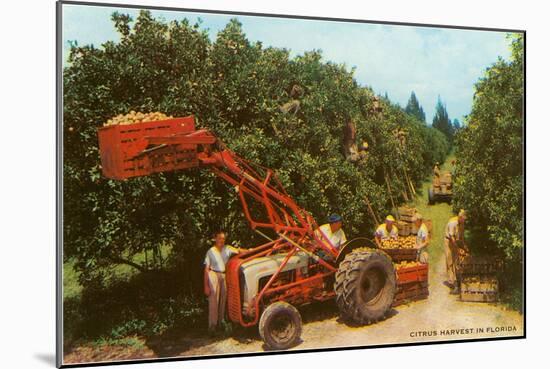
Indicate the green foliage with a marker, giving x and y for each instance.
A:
(439, 146)
(147, 304)
(442, 122)
(235, 88)
(456, 125)
(413, 107)
(489, 181)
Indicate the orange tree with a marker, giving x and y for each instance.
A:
(489, 181)
(236, 89)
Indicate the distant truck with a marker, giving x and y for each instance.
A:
(442, 188)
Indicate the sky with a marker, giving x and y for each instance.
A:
(392, 59)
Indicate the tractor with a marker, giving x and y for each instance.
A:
(442, 188)
(297, 265)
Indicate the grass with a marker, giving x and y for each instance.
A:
(132, 341)
(439, 215)
(71, 288)
(116, 273)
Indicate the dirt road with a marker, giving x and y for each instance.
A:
(441, 317)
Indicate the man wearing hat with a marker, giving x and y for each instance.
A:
(454, 240)
(422, 238)
(386, 230)
(333, 231)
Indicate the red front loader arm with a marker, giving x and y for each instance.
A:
(282, 214)
(146, 148)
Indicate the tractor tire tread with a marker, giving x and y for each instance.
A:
(346, 284)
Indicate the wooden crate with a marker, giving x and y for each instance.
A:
(404, 228)
(124, 149)
(409, 292)
(406, 214)
(399, 255)
(470, 265)
(446, 179)
(407, 211)
(483, 289)
(418, 273)
(412, 284)
(468, 296)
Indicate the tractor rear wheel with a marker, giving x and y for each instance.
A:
(280, 326)
(365, 285)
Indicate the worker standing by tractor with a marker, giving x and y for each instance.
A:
(422, 238)
(386, 230)
(214, 279)
(333, 231)
(454, 240)
(437, 175)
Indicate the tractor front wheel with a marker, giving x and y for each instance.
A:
(365, 285)
(280, 326)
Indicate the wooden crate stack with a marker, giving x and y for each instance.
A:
(405, 223)
(406, 213)
(404, 228)
(478, 277)
(412, 284)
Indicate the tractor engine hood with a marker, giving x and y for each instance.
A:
(254, 270)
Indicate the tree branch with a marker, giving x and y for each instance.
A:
(120, 260)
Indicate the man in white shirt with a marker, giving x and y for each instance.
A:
(214, 278)
(333, 231)
(454, 240)
(422, 238)
(386, 231)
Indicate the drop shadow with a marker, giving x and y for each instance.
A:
(46, 358)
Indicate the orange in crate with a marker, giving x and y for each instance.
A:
(126, 150)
